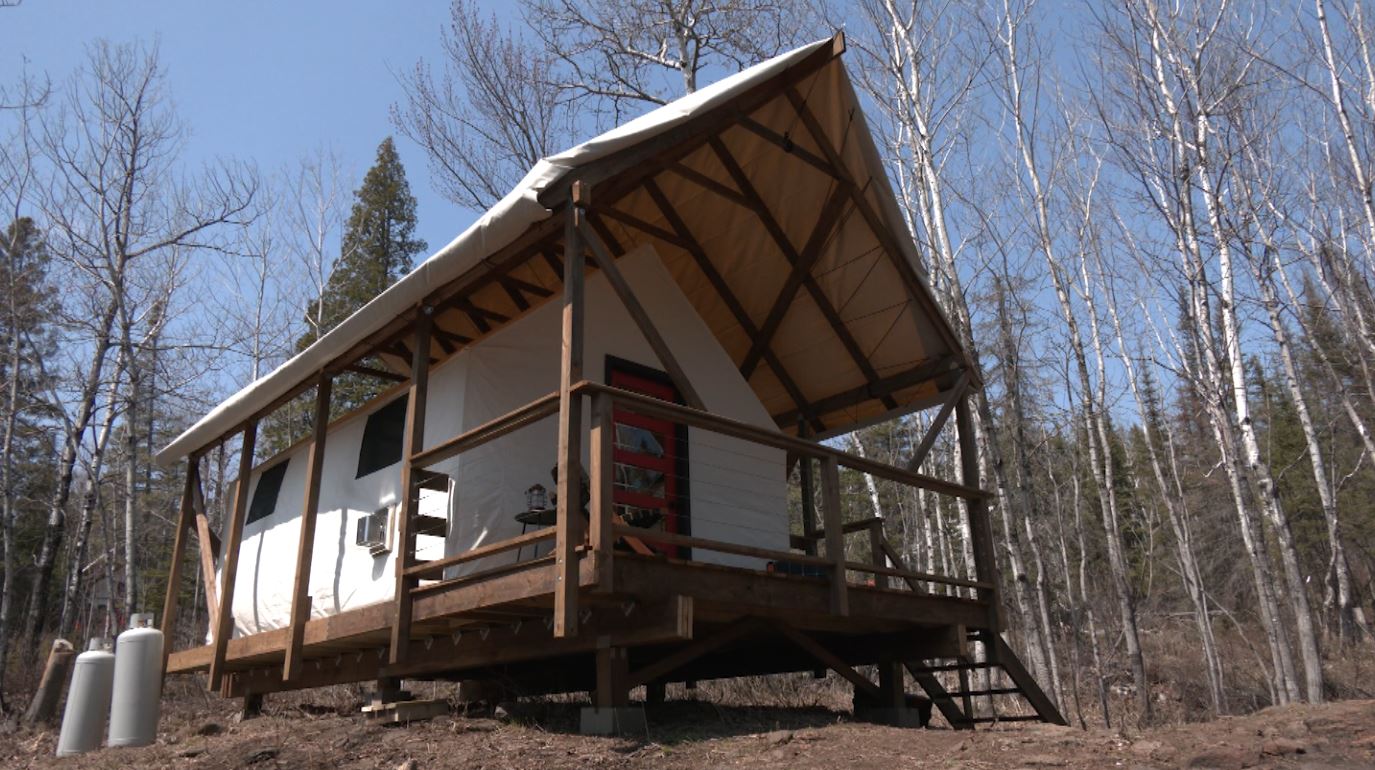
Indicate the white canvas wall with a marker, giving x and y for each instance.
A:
(737, 490)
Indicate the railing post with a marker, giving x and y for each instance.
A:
(985, 560)
(601, 441)
(305, 547)
(569, 525)
(224, 619)
(835, 535)
(410, 494)
(169, 604)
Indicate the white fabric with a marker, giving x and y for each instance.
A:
(737, 490)
(501, 225)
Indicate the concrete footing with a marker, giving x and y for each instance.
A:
(621, 720)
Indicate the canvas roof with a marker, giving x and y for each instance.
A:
(767, 200)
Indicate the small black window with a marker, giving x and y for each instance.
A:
(382, 438)
(265, 494)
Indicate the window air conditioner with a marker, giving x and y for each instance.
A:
(372, 531)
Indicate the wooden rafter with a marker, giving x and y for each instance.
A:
(706, 182)
(877, 389)
(775, 231)
(649, 228)
(446, 337)
(786, 144)
(826, 223)
(916, 287)
(938, 423)
(381, 374)
(651, 333)
(742, 317)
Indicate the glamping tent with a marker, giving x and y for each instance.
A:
(601, 390)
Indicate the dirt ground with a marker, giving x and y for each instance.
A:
(202, 733)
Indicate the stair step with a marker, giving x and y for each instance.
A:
(994, 691)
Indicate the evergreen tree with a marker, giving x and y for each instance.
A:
(378, 244)
(377, 249)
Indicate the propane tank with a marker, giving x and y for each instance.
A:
(88, 699)
(137, 693)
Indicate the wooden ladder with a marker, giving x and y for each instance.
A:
(957, 706)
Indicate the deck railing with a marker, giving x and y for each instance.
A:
(606, 531)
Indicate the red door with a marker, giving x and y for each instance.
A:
(650, 488)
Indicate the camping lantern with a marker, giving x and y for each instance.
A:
(537, 498)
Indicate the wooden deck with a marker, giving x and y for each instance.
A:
(655, 607)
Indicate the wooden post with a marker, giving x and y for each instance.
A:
(985, 561)
(601, 440)
(835, 535)
(613, 674)
(569, 525)
(224, 619)
(410, 493)
(305, 548)
(207, 544)
(169, 603)
(43, 707)
(808, 495)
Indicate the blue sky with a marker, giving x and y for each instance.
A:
(265, 82)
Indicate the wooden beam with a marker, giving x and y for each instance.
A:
(410, 495)
(224, 620)
(708, 183)
(685, 655)
(381, 374)
(835, 534)
(569, 480)
(732, 303)
(305, 547)
(886, 386)
(827, 221)
(980, 530)
(933, 431)
(823, 303)
(829, 660)
(651, 333)
(646, 158)
(786, 144)
(512, 291)
(169, 602)
(601, 472)
(916, 285)
(208, 544)
(457, 340)
(643, 226)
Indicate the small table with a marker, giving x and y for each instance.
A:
(536, 517)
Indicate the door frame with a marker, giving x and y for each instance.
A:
(683, 502)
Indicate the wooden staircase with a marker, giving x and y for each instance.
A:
(958, 706)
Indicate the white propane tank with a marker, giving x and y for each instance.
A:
(88, 700)
(137, 694)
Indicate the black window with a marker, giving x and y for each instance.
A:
(383, 437)
(265, 494)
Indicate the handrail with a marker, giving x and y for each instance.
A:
(654, 407)
(492, 429)
(427, 569)
(687, 541)
(922, 577)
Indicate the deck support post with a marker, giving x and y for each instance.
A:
(834, 531)
(611, 712)
(224, 619)
(410, 494)
(169, 604)
(985, 561)
(569, 519)
(305, 549)
(252, 705)
(601, 439)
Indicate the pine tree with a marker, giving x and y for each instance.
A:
(378, 243)
(377, 249)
